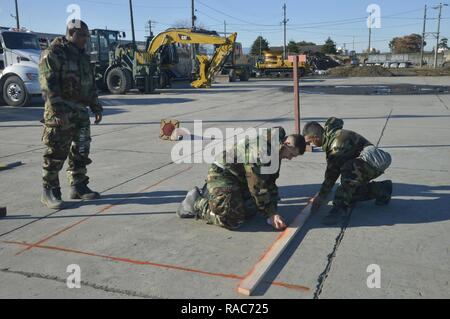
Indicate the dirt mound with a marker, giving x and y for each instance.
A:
(433, 72)
(359, 71)
(322, 62)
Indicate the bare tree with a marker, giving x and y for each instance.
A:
(186, 24)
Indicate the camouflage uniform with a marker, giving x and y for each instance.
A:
(68, 86)
(343, 149)
(236, 192)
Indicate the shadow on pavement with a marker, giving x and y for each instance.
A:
(125, 102)
(277, 120)
(148, 199)
(411, 204)
(36, 114)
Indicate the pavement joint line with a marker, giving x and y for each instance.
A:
(24, 152)
(104, 288)
(324, 275)
(157, 265)
(43, 147)
(384, 128)
(443, 103)
(331, 257)
(222, 105)
(129, 151)
(104, 209)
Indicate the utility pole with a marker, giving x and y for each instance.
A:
(370, 34)
(150, 31)
(260, 46)
(225, 28)
(438, 34)
(149, 28)
(285, 21)
(193, 13)
(132, 24)
(17, 15)
(193, 46)
(423, 36)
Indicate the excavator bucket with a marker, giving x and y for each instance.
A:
(202, 82)
(209, 69)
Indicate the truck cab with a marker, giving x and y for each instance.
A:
(19, 66)
(238, 65)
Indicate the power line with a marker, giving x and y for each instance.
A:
(206, 15)
(17, 15)
(233, 17)
(109, 3)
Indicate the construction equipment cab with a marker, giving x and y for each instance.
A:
(112, 73)
(19, 66)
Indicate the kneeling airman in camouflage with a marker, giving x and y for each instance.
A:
(68, 86)
(236, 190)
(356, 160)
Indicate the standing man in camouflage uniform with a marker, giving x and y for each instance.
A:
(236, 191)
(356, 160)
(68, 86)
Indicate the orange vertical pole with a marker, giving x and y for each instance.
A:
(296, 97)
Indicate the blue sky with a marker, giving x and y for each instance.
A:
(309, 20)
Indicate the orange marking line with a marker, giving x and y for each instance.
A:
(104, 209)
(270, 256)
(153, 264)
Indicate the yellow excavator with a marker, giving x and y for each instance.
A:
(208, 68)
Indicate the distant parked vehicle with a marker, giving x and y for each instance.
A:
(19, 66)
(394, 65)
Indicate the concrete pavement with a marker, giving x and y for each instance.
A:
(131, 244)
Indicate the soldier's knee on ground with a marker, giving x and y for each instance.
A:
(225, 208)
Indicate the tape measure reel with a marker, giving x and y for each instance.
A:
(167, 128)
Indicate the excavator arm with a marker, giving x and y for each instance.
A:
(208, 68)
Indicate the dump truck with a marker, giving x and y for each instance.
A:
(238, 65)
(19, 66)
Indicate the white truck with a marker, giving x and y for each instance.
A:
(19, 67)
